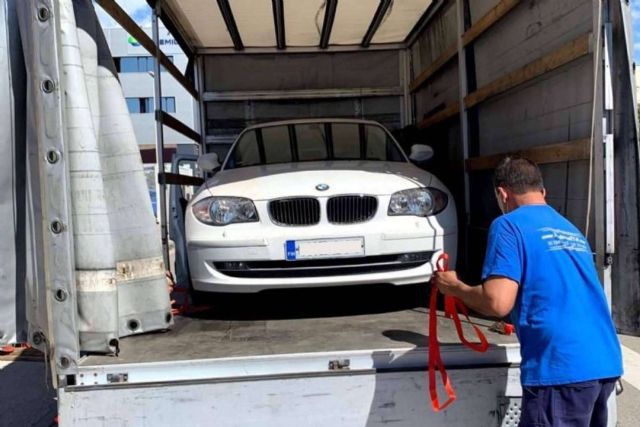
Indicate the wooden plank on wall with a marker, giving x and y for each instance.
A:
(475, 31)
(446, 56)
(121, 17)
(171, 122)
(488, 20)
(559, 57)
(578, 149)
(442, 115)
(168, 178)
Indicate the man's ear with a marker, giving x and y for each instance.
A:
(544, 192)
(502, 193)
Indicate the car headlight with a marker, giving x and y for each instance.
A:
(225, 210)
(418, 202)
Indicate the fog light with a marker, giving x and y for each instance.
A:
(414, 257)
(235, 265)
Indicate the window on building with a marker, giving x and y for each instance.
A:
(135, 64)
(169, 104)
(146, 105)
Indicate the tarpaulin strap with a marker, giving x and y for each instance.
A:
(435, 361)
(452, 305)
(185, 308)
(8, 349)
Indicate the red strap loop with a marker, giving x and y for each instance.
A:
(451, 307)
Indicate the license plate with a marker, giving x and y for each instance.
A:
(324, 248)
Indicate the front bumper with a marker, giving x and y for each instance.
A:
(210, 247)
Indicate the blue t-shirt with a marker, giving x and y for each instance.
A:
(561, 315)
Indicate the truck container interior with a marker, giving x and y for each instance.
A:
(474, 79)
(521, 72)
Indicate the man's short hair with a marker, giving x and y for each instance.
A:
(518, 174)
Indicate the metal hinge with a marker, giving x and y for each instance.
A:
(117, 378)
(608, 259)
(339, 365)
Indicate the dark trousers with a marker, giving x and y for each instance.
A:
(570, 405)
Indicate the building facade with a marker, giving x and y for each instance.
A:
(136, 70)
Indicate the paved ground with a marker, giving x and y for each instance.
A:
(26, 400)
(629, 400)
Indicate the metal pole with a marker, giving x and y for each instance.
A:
(157, 78)
(406, 110)
(609, 157)
(464, 126)
(202, 108)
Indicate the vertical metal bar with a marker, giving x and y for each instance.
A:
(463, 87)
(327, 24)
(608, 132)
(609, 160)
(278, 22)
(157, 79)
(406, 110)
(378, 17)
(464, 118)
(202, 108)
(227, 15)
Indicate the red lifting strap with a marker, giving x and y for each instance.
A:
(451, 307)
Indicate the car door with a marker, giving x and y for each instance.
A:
(179, 196)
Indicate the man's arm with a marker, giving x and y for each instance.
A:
(495, 297)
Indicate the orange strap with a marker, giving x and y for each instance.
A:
(451, 307)
(435, 361)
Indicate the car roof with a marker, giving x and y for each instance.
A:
(314, 120)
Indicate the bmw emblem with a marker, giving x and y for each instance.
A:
(322, 187)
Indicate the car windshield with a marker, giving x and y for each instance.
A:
(305, 142)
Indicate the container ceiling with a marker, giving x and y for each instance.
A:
(300, 23)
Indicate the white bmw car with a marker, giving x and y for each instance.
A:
(313, 203)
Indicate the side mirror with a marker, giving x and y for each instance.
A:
(420, 153)
(208, 162)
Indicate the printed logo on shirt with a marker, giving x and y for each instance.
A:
(560, 240)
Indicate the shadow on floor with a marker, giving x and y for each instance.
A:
(313, 302)
(26, 395)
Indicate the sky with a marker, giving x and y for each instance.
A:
(635, 13)
(139, 10)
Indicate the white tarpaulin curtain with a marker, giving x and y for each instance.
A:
(303, 21)
(120, 274)
(11, 183)
(120, 277)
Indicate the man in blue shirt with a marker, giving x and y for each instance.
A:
(540, 268)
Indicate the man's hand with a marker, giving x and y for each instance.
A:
(447, 282)
(495, 297)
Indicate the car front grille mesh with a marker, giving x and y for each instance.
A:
(351, 209)
(302, 211)
(295, 212)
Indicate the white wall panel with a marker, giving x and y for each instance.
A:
(400, 20)
(204, 21)
(254, 19)
(303, 22)
(353, 18)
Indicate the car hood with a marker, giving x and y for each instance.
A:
(300, 179)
